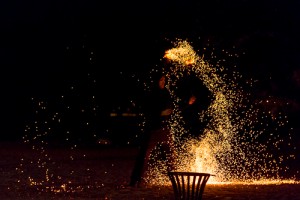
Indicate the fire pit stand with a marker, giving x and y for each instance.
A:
(188, 185)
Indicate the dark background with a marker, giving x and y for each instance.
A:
(46, 46)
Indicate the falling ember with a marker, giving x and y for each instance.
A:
(241, 142)
(50, 171)
(238, 144)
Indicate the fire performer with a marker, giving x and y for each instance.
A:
(158, 109)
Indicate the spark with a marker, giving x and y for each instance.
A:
(229, 147)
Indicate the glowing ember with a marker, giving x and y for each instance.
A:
(240, 144)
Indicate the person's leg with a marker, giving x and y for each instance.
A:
(162, 138)
(169, 156)
(154, 140)
(138, 167)
(170, 151)
(146, 160)
(139, 162)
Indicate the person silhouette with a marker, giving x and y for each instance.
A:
(195, 99)
(158, 109)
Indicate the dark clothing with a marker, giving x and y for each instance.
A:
(155, 102)
(156, 133)
(156, 139)
(193, 124)
(191, 119)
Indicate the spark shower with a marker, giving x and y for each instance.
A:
(242, 142)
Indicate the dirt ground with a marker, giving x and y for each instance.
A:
(100, 173)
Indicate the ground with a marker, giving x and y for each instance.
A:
(101, 173)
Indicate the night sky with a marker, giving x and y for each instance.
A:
(46, 45)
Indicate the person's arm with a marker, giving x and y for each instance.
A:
(166, 112)
(192, 100)
(187, 104)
